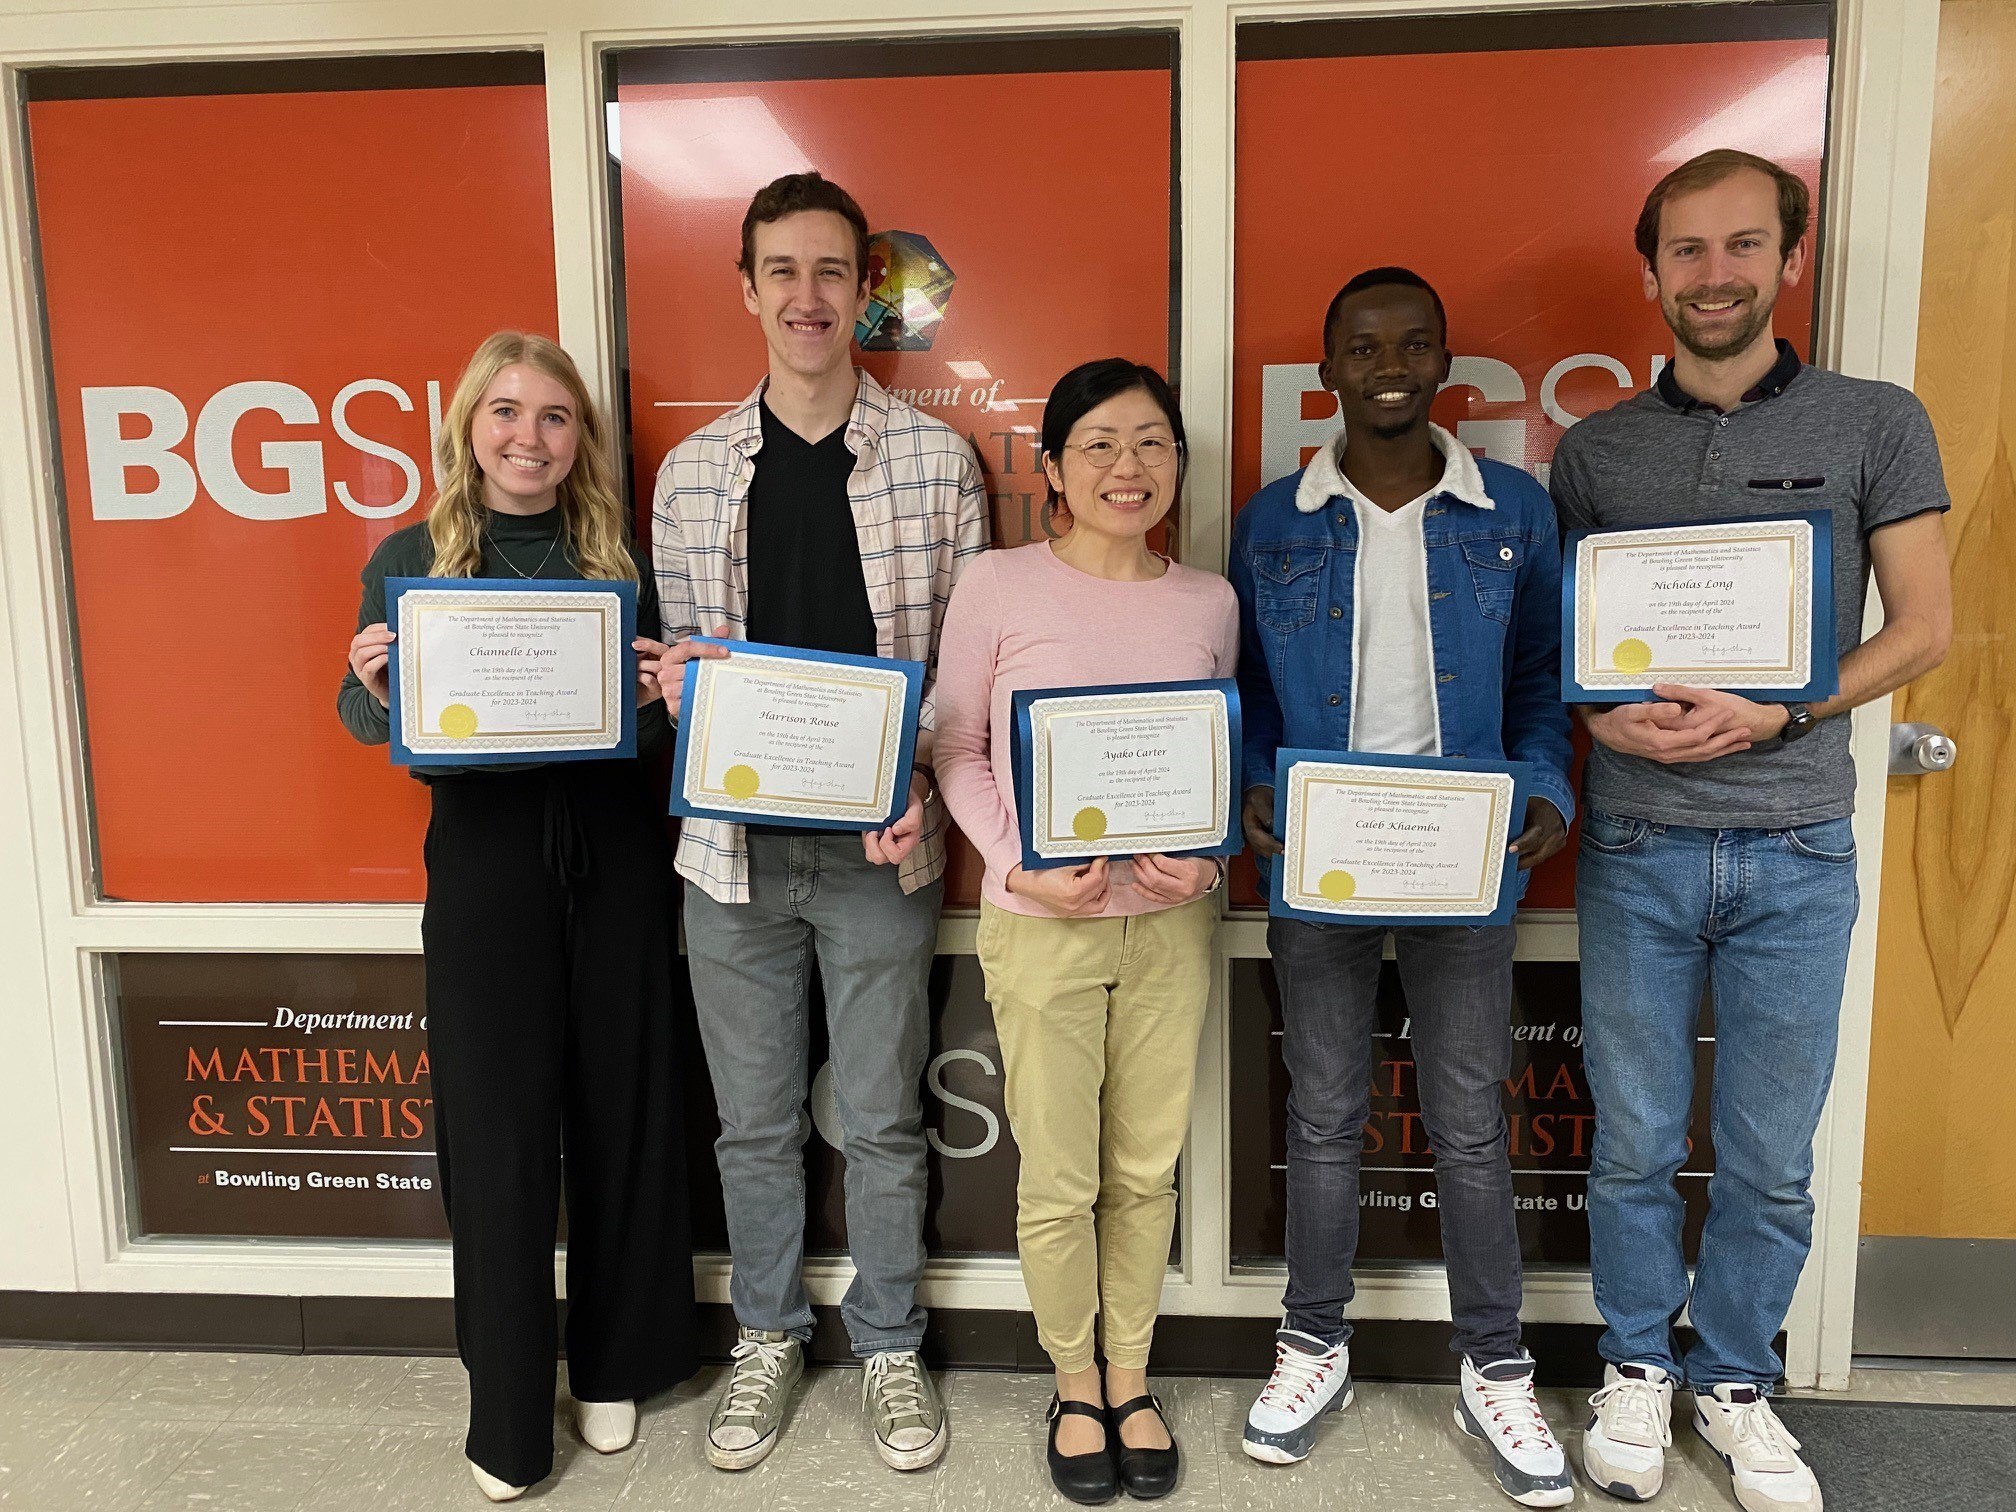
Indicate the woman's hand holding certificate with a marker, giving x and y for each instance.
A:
(786, 736)
(1130, 770)
(1418, 839)
(483, 671)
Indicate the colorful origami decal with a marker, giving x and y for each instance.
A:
(909, 286)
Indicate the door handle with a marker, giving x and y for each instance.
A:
(1916, 749)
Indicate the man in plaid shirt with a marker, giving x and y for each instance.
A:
(823, 513)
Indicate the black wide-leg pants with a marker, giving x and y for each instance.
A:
(551, 971)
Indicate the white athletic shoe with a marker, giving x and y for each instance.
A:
(1761, 1456)
(1497, 1405)
(490, 1486)
(606, 1427)
(1310, 1378)
(1630, 1429)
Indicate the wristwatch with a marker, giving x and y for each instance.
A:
(1799, 723)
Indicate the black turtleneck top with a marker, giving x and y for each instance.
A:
(520, 541)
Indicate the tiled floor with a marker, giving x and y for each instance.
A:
(91, 1431)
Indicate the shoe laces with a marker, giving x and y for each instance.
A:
(1512, 1406)
(1757, 1429)
(896, 1381)
(1634, 1413)
(759, 1367)
(1297, 1377)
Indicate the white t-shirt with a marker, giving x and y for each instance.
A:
(1394, 697)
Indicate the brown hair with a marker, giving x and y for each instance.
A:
(788, 196)
(1795, 204)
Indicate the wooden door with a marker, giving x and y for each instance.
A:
(1940, 1161)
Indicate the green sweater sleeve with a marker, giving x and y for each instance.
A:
(654, 726)
(401, 554)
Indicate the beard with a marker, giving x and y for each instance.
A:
(1729, 340)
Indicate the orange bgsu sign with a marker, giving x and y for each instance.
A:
(257, 305)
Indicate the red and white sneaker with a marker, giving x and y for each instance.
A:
(1310, 1378)
(1630, 1429)
(1496, 1404)
(1760, 1453)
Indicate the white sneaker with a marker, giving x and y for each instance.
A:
(1310, 1378)
(1761, 1456)
(606, 1427)
(1497, 1405)
(1630, 1429)
(490, 1486)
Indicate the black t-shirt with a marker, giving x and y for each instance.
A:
(806, 588)
(805, 583)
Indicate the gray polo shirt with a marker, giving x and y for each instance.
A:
(1804, 439)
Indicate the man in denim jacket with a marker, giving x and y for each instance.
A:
(1399, 596)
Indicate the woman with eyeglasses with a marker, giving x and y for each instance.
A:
(1098, 974)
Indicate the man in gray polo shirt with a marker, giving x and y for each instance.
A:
(1716, 845)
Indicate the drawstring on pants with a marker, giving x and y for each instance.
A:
(564, 847)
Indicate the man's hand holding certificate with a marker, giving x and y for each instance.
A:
(1137, 769)
(1741, 606)
(1402, 839)
(484, 671)
(805, 738)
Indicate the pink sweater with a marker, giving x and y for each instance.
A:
(1023, 619)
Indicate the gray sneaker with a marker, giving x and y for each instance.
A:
(903, 1408)
(750, 1415)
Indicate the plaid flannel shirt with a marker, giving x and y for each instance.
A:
(920, 514)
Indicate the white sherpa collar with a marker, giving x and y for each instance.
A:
(1323, 479)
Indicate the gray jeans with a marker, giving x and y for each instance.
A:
(752, 965)
(1458, 983)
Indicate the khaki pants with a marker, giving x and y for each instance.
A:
(1099, 1021)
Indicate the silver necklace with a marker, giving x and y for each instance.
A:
(515, 567)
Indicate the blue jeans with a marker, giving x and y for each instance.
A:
(752, 967)
(1761, 918)
(1458, 983)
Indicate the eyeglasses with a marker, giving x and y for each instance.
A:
(1151, 451)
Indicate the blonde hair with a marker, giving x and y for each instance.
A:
(593, 519)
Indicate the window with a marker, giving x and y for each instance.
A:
(262, 281)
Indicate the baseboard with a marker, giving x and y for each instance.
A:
(1381, 1349)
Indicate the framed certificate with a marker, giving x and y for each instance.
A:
(485, 670)
(1125, 770)
(1746, 606)
(808, 738)
(1396, 839)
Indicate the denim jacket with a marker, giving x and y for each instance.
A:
(1494, 617)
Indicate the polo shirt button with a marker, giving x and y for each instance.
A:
(1336, 613)
(1336, 699)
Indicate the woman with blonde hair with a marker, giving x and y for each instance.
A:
(549, 955)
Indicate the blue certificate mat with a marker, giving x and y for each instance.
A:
(812, 739)
(1126, 769)
(1745, 606)
(1396, 840)
(493, 670)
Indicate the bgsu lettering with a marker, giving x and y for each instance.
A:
(166, 479)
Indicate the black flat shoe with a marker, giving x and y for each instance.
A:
(1087, 1479)
(1145, 1474)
